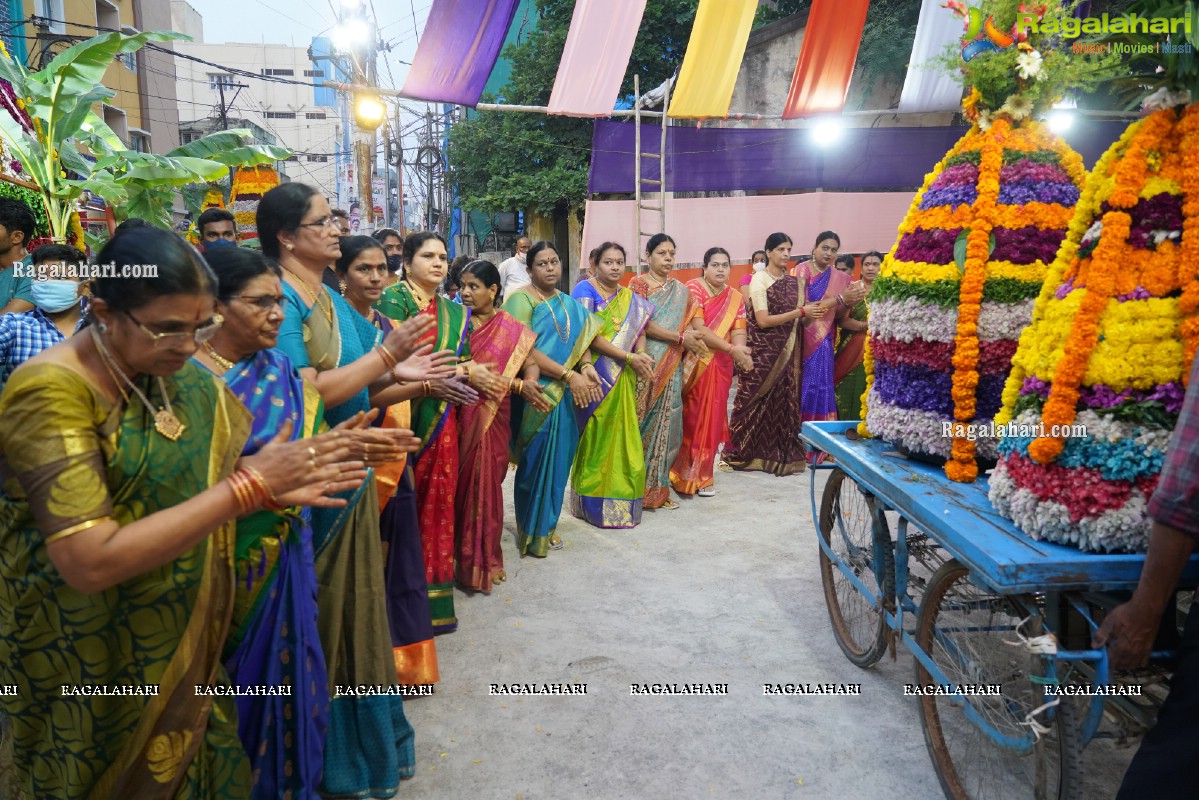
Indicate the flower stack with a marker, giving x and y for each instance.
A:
(249, 185)
(1099, 375)
(959, 286)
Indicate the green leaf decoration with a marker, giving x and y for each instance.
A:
(231, 149)
(959, 250)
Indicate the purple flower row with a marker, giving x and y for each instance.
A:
(1026, 245)
(1021, 193)
(1033, 172)
(1100, 396)
(949, 196)
(959, 175)
(910, 386)
(929, 245)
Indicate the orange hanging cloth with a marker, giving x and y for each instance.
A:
(826, 57)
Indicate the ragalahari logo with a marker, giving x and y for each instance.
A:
(982, 36)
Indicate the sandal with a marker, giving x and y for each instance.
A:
(707, 491)
(669, 505)
(724, 466)
(556, 542)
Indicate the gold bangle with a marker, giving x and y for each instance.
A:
(74, 529)
(272, 503)
(389, 360)
(237, 482)
(428, 388)
(567, 374)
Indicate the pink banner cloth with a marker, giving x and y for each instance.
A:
(458, 50)
(597, 53)
(864, 220)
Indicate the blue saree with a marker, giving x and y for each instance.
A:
(544, 444)
(370, 745)
(273, 640)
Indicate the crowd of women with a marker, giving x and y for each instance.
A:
(254, 495)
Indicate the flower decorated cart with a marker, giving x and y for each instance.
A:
(249, 185)
(1098, 380)
(959, 285)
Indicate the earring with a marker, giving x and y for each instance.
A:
(102, 328)
(290, 247)
(341, 286)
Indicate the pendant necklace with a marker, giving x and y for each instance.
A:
(617, 321)
(165, 421)
(225, 363)
(417, 296)
(564, 337)
(314, 297)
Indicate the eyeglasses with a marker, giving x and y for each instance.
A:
(323, 222)
(263, 302)
(165, 341)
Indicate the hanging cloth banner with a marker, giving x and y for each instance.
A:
(458, 50)
(926, 87)
(826, 57)
(713, 58)
(596, 56)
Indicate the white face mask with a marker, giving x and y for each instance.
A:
(522, 257)
(759, 266)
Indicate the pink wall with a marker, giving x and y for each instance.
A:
(864, 220)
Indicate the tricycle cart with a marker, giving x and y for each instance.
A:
(999, 624)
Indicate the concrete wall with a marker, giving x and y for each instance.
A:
(157, 80)
(185, 19)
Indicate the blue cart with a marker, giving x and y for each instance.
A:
(1000, 625)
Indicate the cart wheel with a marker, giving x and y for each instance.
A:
(847, 526)
(964, 630)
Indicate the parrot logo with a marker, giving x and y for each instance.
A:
(982, 36)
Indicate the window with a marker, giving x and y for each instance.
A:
(187, 137)
(292, 158)
(52, 9)
(108, 16)
(317, 159)
(282, 72)
(314, 115)
(129, 60)
(314, 73)
(279, 114)
(216, 80)
(139, 141)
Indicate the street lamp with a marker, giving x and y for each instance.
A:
(369, 111)
(351, 33)
(827, 131)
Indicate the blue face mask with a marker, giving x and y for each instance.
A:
(219, 243)
(55, 296)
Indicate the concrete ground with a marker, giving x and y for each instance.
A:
(723, 590)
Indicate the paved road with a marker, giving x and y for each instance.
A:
(725, 590)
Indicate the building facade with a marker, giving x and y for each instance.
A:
(144, 111)
(291, 112)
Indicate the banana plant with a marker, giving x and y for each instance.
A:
(69, 135)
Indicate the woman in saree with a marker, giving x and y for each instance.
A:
(546, 436)
(122, 483)
(363, 273)
(836, 291)
(498, 338)
(708, 379)
(426, 266)
(668, 335)
(608, 479)
(275, 607)
(764, 428)
(369, 747)
(849, 373)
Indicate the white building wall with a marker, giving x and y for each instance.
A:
(286, 110)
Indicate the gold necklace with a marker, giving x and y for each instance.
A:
(564, 337)
(314, 297)
(224, 363)
(661, 285)
(418, 297)
(165, 421)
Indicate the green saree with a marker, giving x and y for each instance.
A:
(71, 458)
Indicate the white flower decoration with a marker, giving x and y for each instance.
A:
(1017, 107)
(1165, 98)
(1028, 65)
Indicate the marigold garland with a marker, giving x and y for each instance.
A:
(249, 185)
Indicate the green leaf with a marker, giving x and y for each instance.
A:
(959, 250)
(231, 149)
(69, 155)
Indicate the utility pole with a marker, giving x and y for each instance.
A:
(430, 193)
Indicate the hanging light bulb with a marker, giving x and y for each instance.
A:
(369, 111)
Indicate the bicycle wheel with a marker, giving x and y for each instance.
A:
(965, 631)
(847, 526)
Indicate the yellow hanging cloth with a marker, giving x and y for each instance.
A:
(713, 58)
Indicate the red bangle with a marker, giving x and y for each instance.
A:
(803, 312)
(680, 337)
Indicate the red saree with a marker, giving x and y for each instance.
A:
(483, 455)
(706, 385)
